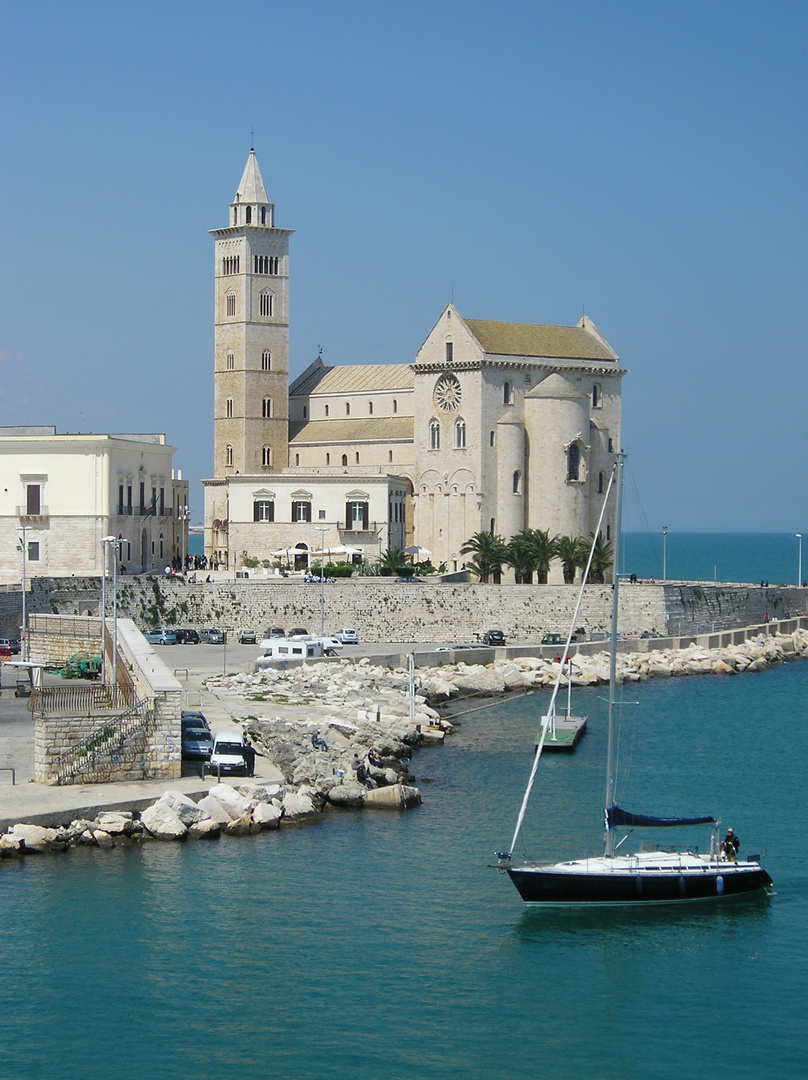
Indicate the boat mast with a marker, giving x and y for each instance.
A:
(618, 516)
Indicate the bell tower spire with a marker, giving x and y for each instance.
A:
(251, 334)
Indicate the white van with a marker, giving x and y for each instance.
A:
(348, 636)
(227, 755)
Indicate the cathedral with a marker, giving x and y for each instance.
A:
(495, 426)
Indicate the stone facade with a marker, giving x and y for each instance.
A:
(79, 738)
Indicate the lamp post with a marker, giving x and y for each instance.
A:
(24, 629)
(322, 530)
(664, 552)
(104, 541)
(799, 560)
(184, 517)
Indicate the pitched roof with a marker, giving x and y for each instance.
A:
(352, 429)
(251, 186)
(533, 339)
(352, 379)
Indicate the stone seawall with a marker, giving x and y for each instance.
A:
(383, 610)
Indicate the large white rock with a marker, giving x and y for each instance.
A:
(35, 838)
(235, 803)
(297, 805)
(218, 813)
(350, 795)
(397, 797)
(161, 821)
(115, 822)
(267, 815)
(186, 809)
(208, 829)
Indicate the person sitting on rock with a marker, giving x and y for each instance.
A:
(374, 759)
(318, 742)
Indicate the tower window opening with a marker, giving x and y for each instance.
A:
(434, 434)
(266, 408)
(266, 360)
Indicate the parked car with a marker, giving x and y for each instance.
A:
(410, 581)
(191, 719)
(5, 652)
(161, 637)
(214, 636)
(347, 636)
(187, 637)
(493, 637)
(298, 631)
(557, 639)
(227, 754)
(454, 648)
(11, 643)
(197, 744)
(275, 631)
(247, 637)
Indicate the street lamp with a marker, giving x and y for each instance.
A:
(184, 516)
(664, 552)
(24, 629)
(104, 541)
(322, 530)
(799, 560)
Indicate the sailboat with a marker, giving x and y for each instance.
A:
(645, 877)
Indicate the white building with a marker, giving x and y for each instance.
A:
(63, 493)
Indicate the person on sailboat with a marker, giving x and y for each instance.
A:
(730, 845)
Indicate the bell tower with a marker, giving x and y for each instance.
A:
(251, 334)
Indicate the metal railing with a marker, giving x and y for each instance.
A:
(80, 699)
(82, 759)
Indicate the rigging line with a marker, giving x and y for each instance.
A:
(546, 719)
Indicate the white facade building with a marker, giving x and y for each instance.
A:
(63, 493)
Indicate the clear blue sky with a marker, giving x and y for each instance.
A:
(644, 160)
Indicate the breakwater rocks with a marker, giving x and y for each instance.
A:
(224, 810)
(528, 673)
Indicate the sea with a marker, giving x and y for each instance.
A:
(386, 944)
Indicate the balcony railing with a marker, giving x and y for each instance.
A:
(358, 527)
(24, 512)
(142, 511)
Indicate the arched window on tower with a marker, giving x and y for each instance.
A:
(267, 304)
(344, 459)
(507, 394)
(370, 408)
(266, 360)
(263, 215)
(326, 410)
(328, 459)
(491, 439)
(266, 408)
(230, 360)
(460, 433)
(297, 459)
(434, 434)
(228, 408)
(347, 408)
(597, 398)
(266, 456)
(517, 483)
(574, 462)
(228, 455)
(600, 483)
(395, 406)
(248, 215)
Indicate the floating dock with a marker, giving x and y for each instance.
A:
(569, 730)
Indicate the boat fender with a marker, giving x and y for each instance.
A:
(719, 885)
(682, 886)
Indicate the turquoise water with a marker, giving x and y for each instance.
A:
(372, 945)
(745, 557)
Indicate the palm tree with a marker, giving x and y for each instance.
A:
(521, 556)
(602, 558)
(489, 552)
(544, 551)
(573, 552)
(391, 562)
